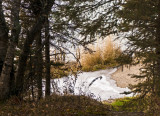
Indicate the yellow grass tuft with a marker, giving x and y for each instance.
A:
(111, 51)
(104, 55)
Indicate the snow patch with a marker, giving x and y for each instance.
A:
(97, 85)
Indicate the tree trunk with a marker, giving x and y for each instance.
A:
(26, 49)
(157, 78)
(24, 56)
(39, 64)
(47, 58)
(3, 50)
(3, 37)
(7, 74)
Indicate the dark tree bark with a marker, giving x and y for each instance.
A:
(28, 42)
(157, 78)
(3, 37)
(47, 58)
(7, 76)
(24, 56)
(39, 63)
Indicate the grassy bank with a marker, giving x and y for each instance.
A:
(67, 106)
(129, 104)
(55, 106)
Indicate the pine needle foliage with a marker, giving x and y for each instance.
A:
(140, 24)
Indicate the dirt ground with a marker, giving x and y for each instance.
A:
(123, 75)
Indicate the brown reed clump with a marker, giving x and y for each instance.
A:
(105, 54)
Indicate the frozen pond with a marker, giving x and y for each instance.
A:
(97, 85)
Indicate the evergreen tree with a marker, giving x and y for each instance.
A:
(140, 23)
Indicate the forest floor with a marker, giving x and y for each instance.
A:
(62, 106)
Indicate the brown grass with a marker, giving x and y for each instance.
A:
(56, 106)
(64, 70)
(105, 55)
(68, 105)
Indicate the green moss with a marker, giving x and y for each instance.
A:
(118, 104)
(98, 67)
(130, 104)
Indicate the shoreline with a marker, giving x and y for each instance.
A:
(123, 76)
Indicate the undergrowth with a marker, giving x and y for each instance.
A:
(63, 69)
(70, 105)
(146, 106)
(130, 104)
(55, 106)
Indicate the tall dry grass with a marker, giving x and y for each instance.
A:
(105, 54)
(111, 51)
